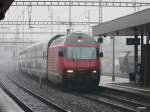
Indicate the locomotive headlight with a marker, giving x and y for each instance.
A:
(94, 71)
(70, 71)
(79, 40)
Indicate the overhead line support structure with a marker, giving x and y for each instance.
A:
(45, 23)
(80, 3)
(42, 33)
(20, 42)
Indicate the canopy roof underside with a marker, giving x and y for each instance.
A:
(125, 26)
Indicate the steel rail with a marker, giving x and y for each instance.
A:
(108, 88)
(120, 107)
(130, 95)
(57, 107)
(137, 104)
(102, 101)
(25, 107)
(80, 3)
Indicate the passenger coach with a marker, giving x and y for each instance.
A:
(72, 60)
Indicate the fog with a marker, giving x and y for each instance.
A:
(9, 55)
(21, 33)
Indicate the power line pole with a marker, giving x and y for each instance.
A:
(136, 9)
(135, 6)
(88, 21)
(100, 11)
(70, 24)
(23, 25)
(58, 24)
(52, 20)
(29, 14)
(50, 15)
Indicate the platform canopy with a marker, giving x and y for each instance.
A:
(4, 5)
(125, 26)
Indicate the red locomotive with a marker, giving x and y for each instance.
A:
(72, 60)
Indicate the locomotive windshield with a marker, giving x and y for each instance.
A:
(81, 53)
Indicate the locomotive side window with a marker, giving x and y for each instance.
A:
(62, 52)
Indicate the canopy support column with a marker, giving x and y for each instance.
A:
(136, 53)
(147, 58)
(142, 57)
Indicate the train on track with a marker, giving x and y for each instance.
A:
(72, 60)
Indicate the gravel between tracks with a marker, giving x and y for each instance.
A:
(64, 99)
(29, 100)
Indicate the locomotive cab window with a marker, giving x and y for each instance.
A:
(81, 53)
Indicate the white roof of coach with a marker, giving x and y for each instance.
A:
(42, 42)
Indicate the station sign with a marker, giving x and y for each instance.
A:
(132, 41)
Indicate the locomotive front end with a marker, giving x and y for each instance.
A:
(81, 61)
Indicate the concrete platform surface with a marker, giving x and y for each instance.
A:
(123, 83)
(7, 104)
(108, 80)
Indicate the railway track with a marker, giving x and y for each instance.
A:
(124, 100)
(122, 104)
(109, 103)
(25, 107)
(121, 91)
(119, 103)
(75, 106)
(28, 100)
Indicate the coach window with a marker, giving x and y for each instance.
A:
(43, 55)
(39, 65)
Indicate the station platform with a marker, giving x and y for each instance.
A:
(124, 84)
(7, 104)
